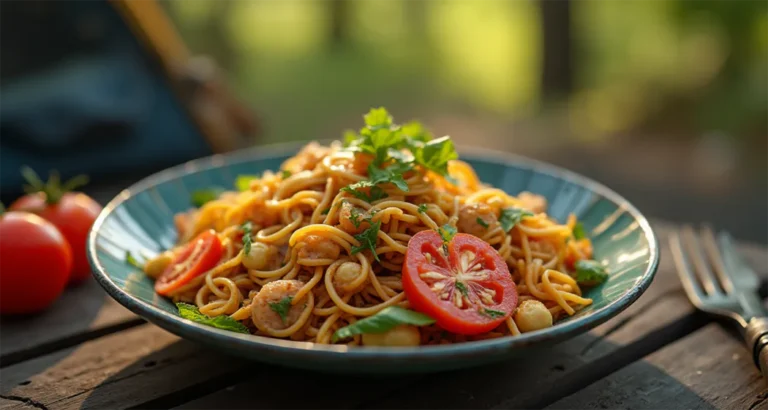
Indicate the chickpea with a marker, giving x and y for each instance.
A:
(156, 266)
(346, 277)
(260, 256)
(403, 335)
(532, 315)
(470, 217)
(318, 247)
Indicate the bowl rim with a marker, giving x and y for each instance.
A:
(193, 330)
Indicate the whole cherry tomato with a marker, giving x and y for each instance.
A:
(35, 262)
(73, 213)
(464, 285)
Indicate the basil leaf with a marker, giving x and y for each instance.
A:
(243, 182)
(578, 231)
(383, 321)
(367, 239)
(247, 239)
(201, 196)
(447, 232)
(224, 322)
(132, 261)
(590, 272)
(282, 307)
(422, 208)
(511, 216)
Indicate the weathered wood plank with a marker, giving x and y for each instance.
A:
(708, 369)
(83, 312)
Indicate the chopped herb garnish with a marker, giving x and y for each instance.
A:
(243, 182)
(286, 174)
(512, 216)
(282, 307)
(492, 313)
(422, 208)
(201, 196)
(481, 222)
(367, 239)
(447, 232)
(435, 155)
(462, 288)
(375, 193)
(224, 322)
(132, 260)
(383, 321)
(325, 211)
(578, 231)
(590, 272)
(354, 217)
(247, 239)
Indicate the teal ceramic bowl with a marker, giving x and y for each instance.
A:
(140, 221)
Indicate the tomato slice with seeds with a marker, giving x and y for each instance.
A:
(468, 291)
(194, 259)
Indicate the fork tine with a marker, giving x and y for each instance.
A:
(715, 258)
(706, 276)
(684, 271)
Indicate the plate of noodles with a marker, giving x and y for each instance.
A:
(383, 252)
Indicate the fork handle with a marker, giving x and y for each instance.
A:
(757, 339)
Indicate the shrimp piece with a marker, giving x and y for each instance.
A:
(318, 247)
(476, 219)
(271, 308)
(352, 219)
(534, 203)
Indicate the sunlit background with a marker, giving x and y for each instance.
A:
(665, 101)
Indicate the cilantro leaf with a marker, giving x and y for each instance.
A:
(325, 211)
(392, 174)
(422, 208)
(512, 216)
(447, 232)
(578, 231)
(378, 118)
(492, 313)
(286, 174)
(201, 196)
(224, 322)
(435, 154)
(415, 132)
(247, 239)
(131, 260)
(590, 272)
(375, 193)
(243, 182)
(383, 321)
(367, 239)
(282, 307)
(354, 217)
(481, 222)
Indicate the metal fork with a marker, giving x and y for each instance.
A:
(719, 282)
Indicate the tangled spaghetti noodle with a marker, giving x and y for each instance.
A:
(312, 262)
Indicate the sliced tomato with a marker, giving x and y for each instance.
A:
(468, 291)
(195, 258)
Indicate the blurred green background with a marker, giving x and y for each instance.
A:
(666, 101)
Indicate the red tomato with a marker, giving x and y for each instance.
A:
(196, 258)
(73, 215)
(35, 261)
(469, 292)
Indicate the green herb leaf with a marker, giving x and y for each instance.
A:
(414, 131)
(481, 222)
(512, 216)
(462, 288)
(202, 196)
(422, 208)
(435, 154)
(131, 260)
(224, 322)
(247, 237)
(447, 232)
(374, 193)
(367, 239)
(243, 182)
(392, 174)
(286, 174)
(325, 211)
(590, 272)
(383, 321)
(578, 231)
(282, 307)
(354, 217)
(493, 313)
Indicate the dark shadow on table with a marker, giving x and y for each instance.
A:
(202, 378)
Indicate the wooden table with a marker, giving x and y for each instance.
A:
(89, 352)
